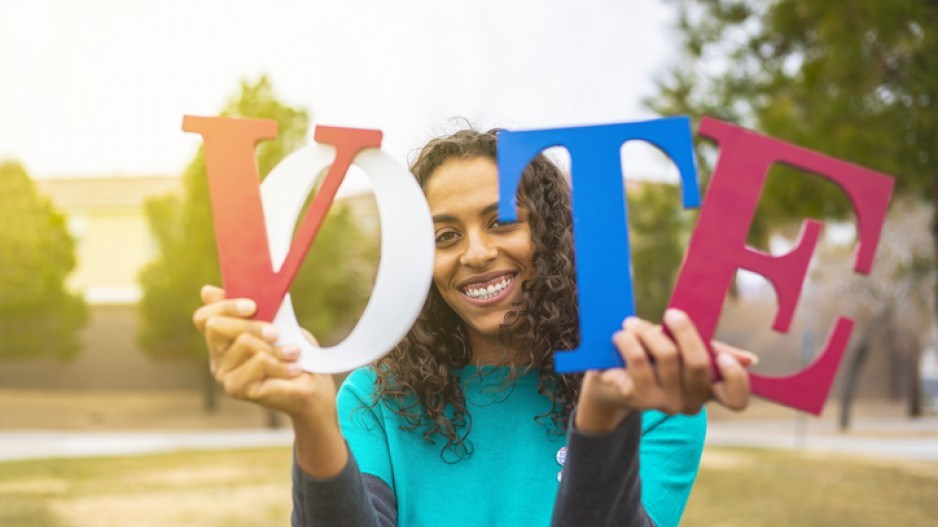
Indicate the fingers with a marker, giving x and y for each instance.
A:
(222, 331)
(251, 360)
(636, 360)
(245, 381)
(733, 391)
(675, 375)
(667, 367)
(211, 294)
(244, 348)
(236, 307)
(747, 358)
(695, 373)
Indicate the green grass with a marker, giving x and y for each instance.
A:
(738, 487)
(237, 488)
(232, 488)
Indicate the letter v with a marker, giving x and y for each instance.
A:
(237, 211)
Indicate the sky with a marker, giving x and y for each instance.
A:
(98, 87)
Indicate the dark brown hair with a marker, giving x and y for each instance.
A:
(417, 377)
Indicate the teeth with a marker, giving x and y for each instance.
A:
(485, 293)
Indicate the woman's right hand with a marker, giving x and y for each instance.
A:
(247, 365)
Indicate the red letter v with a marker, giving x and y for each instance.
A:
(234, 187)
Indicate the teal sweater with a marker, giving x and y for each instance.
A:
(511, 477)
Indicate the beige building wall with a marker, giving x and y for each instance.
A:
(112, 247)
(113, 241)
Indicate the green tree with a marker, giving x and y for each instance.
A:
(38, 316)
(326, 293)
(855, 80)
(657, 236)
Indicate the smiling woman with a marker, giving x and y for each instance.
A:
(522, 329)
(465, 421)
(479, 260)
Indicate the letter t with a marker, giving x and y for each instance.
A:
(603, 265)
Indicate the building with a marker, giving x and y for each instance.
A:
(106, 218)
(113, 242)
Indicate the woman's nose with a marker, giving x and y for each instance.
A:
(480, 251)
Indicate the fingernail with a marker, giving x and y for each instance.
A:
(674, 316)
(753, 358)
(294, 368)
(727, 360)
(629, 321)
(269, 332)
(244, 306)
(290, 351)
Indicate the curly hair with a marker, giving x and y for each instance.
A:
(417, 375)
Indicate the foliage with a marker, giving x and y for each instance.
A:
(333, 284)
(327, 291)
(856, 81)
(657, 235)
(38, 316)
(902, 278)
(893, 304)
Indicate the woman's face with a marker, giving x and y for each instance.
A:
(480, 262)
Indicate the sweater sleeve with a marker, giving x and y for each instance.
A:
(601, 484)
(361, 494)
(350, 498)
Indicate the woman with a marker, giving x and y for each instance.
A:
(465, 421)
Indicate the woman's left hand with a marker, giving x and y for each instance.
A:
(672, 376)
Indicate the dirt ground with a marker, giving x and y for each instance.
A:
(183, 410)
(122, 410)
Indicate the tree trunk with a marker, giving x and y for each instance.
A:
(934, 231)
(273, 418)
(915, 380)
(209, 389)
(855, 367)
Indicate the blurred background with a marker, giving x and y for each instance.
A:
(107, 413)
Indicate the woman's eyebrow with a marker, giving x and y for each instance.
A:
(444, 218)
(449, 218)
(493, 207)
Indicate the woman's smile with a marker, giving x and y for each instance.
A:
(488, 290)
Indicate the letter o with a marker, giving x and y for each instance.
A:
(404, 271)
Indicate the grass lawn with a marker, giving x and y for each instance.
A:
(252, 488)
(738, 487)
(231, 488)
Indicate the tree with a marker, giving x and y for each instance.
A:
(326, 293)
(892, 304)
(855, 80)
(658, 234)
(38, 316)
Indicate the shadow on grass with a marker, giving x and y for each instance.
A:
(26, 511)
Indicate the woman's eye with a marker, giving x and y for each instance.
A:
(503, 223)
(446, 236)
